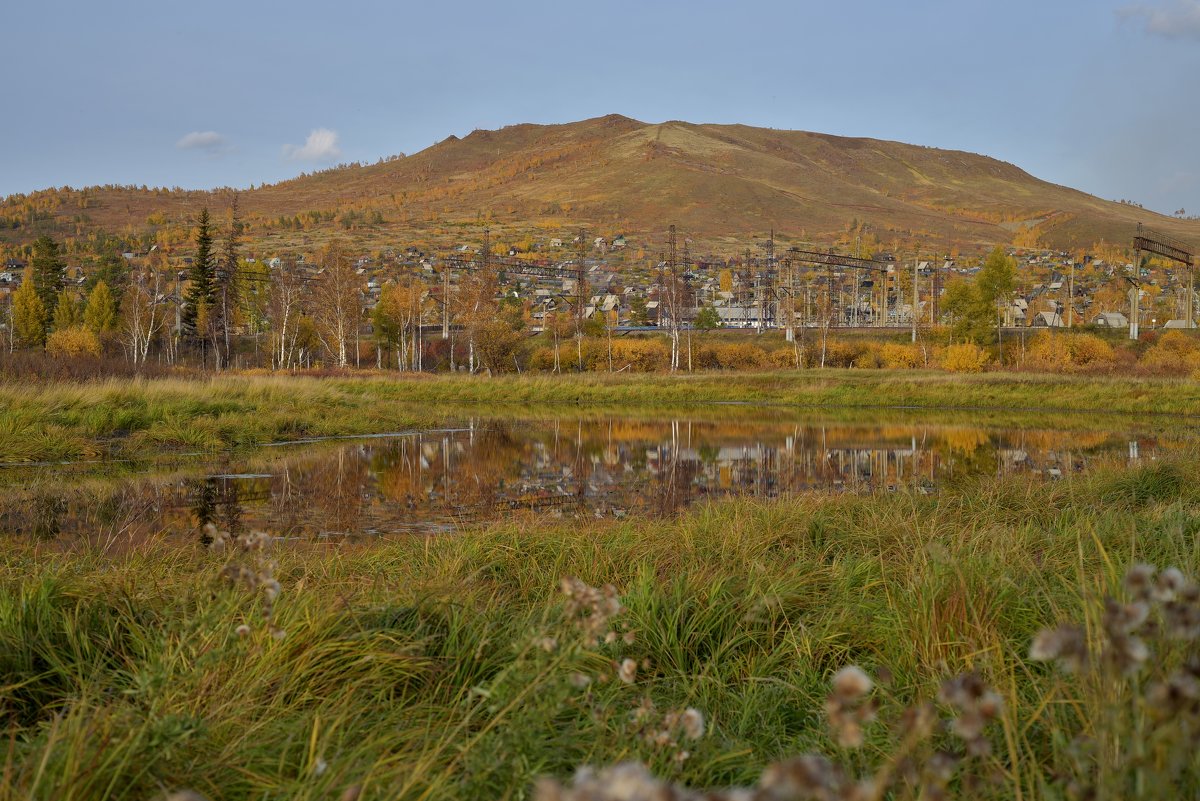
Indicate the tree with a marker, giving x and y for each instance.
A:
(285, 308)
(201, 279)
(28, 313)
(969, 320)
(396, 320)
(338, 302)
(707, 318)
(253, 292)
(638, 313)
(100, 314)
(112, 270)
(997, 279)
(67, 313)
(225, 295)
(975, 307)
(140, 314)
(49, 271)
(725, 280)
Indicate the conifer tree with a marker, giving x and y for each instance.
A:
(49, 271)
(201, 278)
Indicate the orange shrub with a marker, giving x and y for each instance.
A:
(786, 358)
(1175, 352)
(641, 355)
(741, 356)
(72, 342)
(965, 358)
(868, 359)
(838, 354)
(1068, 352)
(897, 356)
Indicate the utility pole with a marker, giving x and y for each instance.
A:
(1135, 291)
(445, 301)
(1071, 297)
(916, 295)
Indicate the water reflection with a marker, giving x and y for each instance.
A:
(438, 481)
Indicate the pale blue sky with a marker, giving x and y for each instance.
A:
(1096, 94)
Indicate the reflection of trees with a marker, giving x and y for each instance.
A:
(335, 490)
(579, 466)
(203, 493)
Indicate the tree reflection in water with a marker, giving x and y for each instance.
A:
(439, 481)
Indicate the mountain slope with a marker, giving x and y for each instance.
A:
(713, 181)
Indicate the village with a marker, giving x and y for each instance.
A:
(598, 279)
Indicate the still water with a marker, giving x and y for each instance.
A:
(481, 470)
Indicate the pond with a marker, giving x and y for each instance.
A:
(480, 470)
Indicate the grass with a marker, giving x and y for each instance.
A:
(414, 669)
(71, 421)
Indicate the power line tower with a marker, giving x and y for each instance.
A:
(765, 280)
(581, 294)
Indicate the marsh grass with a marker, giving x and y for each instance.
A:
(418, 668)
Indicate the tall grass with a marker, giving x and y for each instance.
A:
(449, 668)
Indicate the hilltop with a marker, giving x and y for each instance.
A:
(716, 182)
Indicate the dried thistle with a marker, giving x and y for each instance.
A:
(846, 708)
(593, 609)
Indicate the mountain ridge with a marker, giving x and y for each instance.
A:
(717, 181)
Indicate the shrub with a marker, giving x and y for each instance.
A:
(786, 358)
(868, 359)
(897, 356)
(742, 356)
(1048, 352)
(840, 354)
(1175, 352)
(1068, 352)
(1089, 350)
(640, 355)
(965, 358)
(73, 342)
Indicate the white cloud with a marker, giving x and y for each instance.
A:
(321, 145)
(208, 141)
(1180, 19)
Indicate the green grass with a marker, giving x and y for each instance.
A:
(412, 667)
(57, 421)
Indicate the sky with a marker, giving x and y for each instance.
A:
(1095, 94)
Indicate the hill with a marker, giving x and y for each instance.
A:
(718, 183)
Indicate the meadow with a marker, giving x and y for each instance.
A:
(701, 647)
(998, 637)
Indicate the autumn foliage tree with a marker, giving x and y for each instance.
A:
(338, 302)
(29, 315)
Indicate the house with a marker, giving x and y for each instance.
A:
(556, 243)
(618, 242)
(1047, 319)
(1173, 324)
(738, 316)
(1111, 320)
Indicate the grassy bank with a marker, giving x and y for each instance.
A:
(56, 421)
(421, 669)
